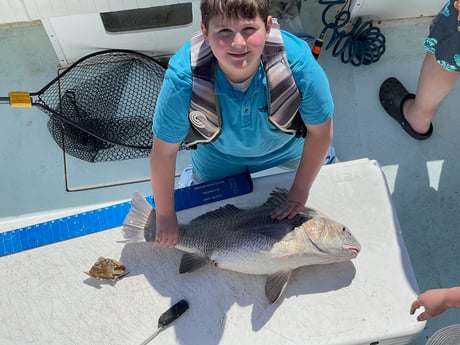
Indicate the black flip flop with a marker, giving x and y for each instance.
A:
(392, 95)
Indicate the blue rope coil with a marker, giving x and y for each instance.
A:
(363, 45)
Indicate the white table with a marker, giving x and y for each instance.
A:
(45, 298)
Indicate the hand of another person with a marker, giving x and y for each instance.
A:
(166, 232)
(433, 301)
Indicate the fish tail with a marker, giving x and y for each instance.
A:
(139, 224)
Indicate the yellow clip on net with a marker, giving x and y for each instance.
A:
(20, 99)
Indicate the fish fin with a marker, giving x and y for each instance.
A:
(139, 224)
(191, 262)
(275, 285)
(221, 212)
(279, 196)
(309, 213)
(277, 254)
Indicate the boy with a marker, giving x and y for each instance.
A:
(232, 93)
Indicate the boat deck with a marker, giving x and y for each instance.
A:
(422, 177)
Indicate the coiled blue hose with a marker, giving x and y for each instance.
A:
(363, 45)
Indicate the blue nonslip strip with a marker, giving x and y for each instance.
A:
(104, 218)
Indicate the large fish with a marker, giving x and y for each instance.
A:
(250, 241)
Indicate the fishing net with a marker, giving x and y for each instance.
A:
(101, 107)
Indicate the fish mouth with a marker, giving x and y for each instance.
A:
(353, 250)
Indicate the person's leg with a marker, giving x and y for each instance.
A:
(434, 84)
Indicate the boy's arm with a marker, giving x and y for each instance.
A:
(317, 142)
(162, 174)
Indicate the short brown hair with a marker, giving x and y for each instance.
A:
(234, 9)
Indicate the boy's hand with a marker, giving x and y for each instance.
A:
(287, 210)
(433, 301)
(293, 205)
(166, 232)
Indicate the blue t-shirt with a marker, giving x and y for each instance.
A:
(248, 140)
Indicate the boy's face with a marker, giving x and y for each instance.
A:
(237, 44)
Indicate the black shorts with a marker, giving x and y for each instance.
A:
(444, 37)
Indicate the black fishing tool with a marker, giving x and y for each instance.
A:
(100, 107)
(168, 317)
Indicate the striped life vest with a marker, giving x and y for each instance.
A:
(204, 116)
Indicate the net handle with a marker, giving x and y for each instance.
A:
(17, 99)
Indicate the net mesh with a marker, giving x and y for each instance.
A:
(101, 107)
